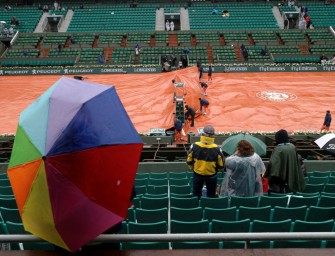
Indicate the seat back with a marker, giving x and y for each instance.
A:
(10, 214)
(294, 213)
(326, 201)
(181, 190)
(153, 189)
(312, 188)
(189, 214)
(240, 226)
(154, 203)
(296, 201)
(150, 216)
(273, 201)
(315, 213)
(254, 213)
(147, 228)
(179, 182)
(212, 202)
(308, 226)
(275, 226)
(189, 227)
(227, 214)
(191, 202)
(237, 201)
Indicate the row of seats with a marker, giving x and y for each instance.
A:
(266, 213)
(162, 201)
(217, 226)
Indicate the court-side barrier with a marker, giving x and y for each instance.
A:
(157, 69)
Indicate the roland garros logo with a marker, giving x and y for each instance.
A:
(276, 96)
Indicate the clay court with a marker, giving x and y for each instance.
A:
(257, 102)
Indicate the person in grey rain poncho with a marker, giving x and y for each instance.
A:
(244, 170)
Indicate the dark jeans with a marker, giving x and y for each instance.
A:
(200, 180)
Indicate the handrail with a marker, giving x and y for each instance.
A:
(190, 237)
(14, 38)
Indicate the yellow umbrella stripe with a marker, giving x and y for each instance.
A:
(37, 213)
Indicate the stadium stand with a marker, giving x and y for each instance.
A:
(114, 30)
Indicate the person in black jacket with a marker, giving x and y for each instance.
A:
(190, 114)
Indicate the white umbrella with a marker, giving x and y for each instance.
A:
(327, 142)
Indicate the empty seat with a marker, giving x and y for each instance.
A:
(227, 214)
(153, 215)
(244, 201)
(146, 228)
(186, 214)
(294, 213)
(213, 202)
(191, 202)
(254, 213)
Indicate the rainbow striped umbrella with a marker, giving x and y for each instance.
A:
(73, 163)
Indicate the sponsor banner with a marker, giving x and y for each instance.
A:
(158, 69)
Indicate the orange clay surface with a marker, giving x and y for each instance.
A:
(256, 102)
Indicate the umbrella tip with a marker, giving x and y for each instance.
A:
(44, 157)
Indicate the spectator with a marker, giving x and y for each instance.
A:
(134, 4)
(13, 21)
(81, 6)
(172, 25)
(308, 21)
(40, 7)
(225, 13)
(25, 52)
(101, 58)
(332, 61)
(205, 158)
(244, 172)
(190, 114)
(323, 59)
(290, 3)
(5, 31)
(286, 24)
(210, 72)
(8, 7)
(180, 64)
(72, 40)
(167, 25)
(327, 121)
(264, 51)
(244, 52)
(45, 8)
(137, 48)
(203, 104)
(198, 63)
(186, 51)
(302, 24)
(11, 30)
(55, 6)
(215, 10)
(284, 170)
(60, 47)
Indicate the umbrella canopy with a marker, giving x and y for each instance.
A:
(327, 142)
(230, 144)
(73, 163)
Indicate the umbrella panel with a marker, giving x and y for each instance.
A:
(230, 144)
(105, 174)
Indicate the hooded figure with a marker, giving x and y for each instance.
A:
(284, 170)
(244, 170)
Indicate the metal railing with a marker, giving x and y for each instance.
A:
(196, 237)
